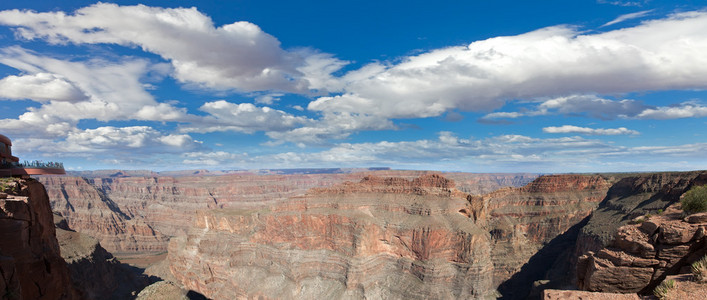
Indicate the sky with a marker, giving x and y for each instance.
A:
(474, 86)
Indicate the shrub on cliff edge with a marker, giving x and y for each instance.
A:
(699, 269)
(695, 200)
(662, 290)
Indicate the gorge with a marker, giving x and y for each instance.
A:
(369, 234)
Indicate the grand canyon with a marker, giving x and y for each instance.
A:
(353, 234)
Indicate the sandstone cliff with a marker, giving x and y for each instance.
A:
(640, 256)
(135, 211)
(31, 265)
(533, 226)
(95, 271)
(633, 196)
(379, 238)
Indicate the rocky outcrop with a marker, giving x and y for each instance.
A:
(31, 265)
(95, 271)
(641, 255)
(379, 238)
(534, 226)
(633, 196)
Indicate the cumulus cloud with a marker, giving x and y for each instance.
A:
(332, 126)
(686, 110)
(70, 91)
(243, 117)
(589, 131)
(551, 62)
(233, 56)
(41, 87)
(127, 138)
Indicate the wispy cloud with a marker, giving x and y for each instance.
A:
(589, 131)
(606, 109)
(625, 17)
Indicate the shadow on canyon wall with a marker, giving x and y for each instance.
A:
(550, 267)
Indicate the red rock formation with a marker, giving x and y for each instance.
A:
(88, 210)
(128, 213)
(29, 253)
(523, 220)
(641, 255)
(93, 270)
(382, 237)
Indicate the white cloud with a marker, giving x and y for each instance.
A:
(268, 99)
(127, 145)
(127, 138)
(624, 3)
(332, 126)
(606, 109)
(234, 56)
(41, 87)
(499, 149)
(551, 62)
(589, 131)
(217, 158)
(70, 91)
(625, 17)
(686, 110)
(243, 117)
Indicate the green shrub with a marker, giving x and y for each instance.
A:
(699, 269)
(662, 290)
(695, 200)
(660, 211)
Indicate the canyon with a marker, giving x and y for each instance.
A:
(359, 234)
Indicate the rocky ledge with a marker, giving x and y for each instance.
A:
(641, 255)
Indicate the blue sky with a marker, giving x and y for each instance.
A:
(476, 86)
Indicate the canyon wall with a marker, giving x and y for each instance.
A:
(93, 270)
(422, 232)
(378, 238)
(532, 226)
(137, 211)
(30, 263)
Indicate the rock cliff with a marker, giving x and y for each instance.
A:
(130, 211)
(31, 265)
(378, 238)
(93, 270)
(641, 255)
(533, 226)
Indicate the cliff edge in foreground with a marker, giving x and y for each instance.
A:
(30, 264)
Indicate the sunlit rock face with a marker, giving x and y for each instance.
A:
(31, 265)
(619, 253)
(380, 237)
(137, 211)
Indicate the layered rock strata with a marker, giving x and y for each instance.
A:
(633, 196)
(641, 255)
(379, 238)
(31, 265)
(532, 226)
(93, 270)
(91, 211)
(129, 211)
